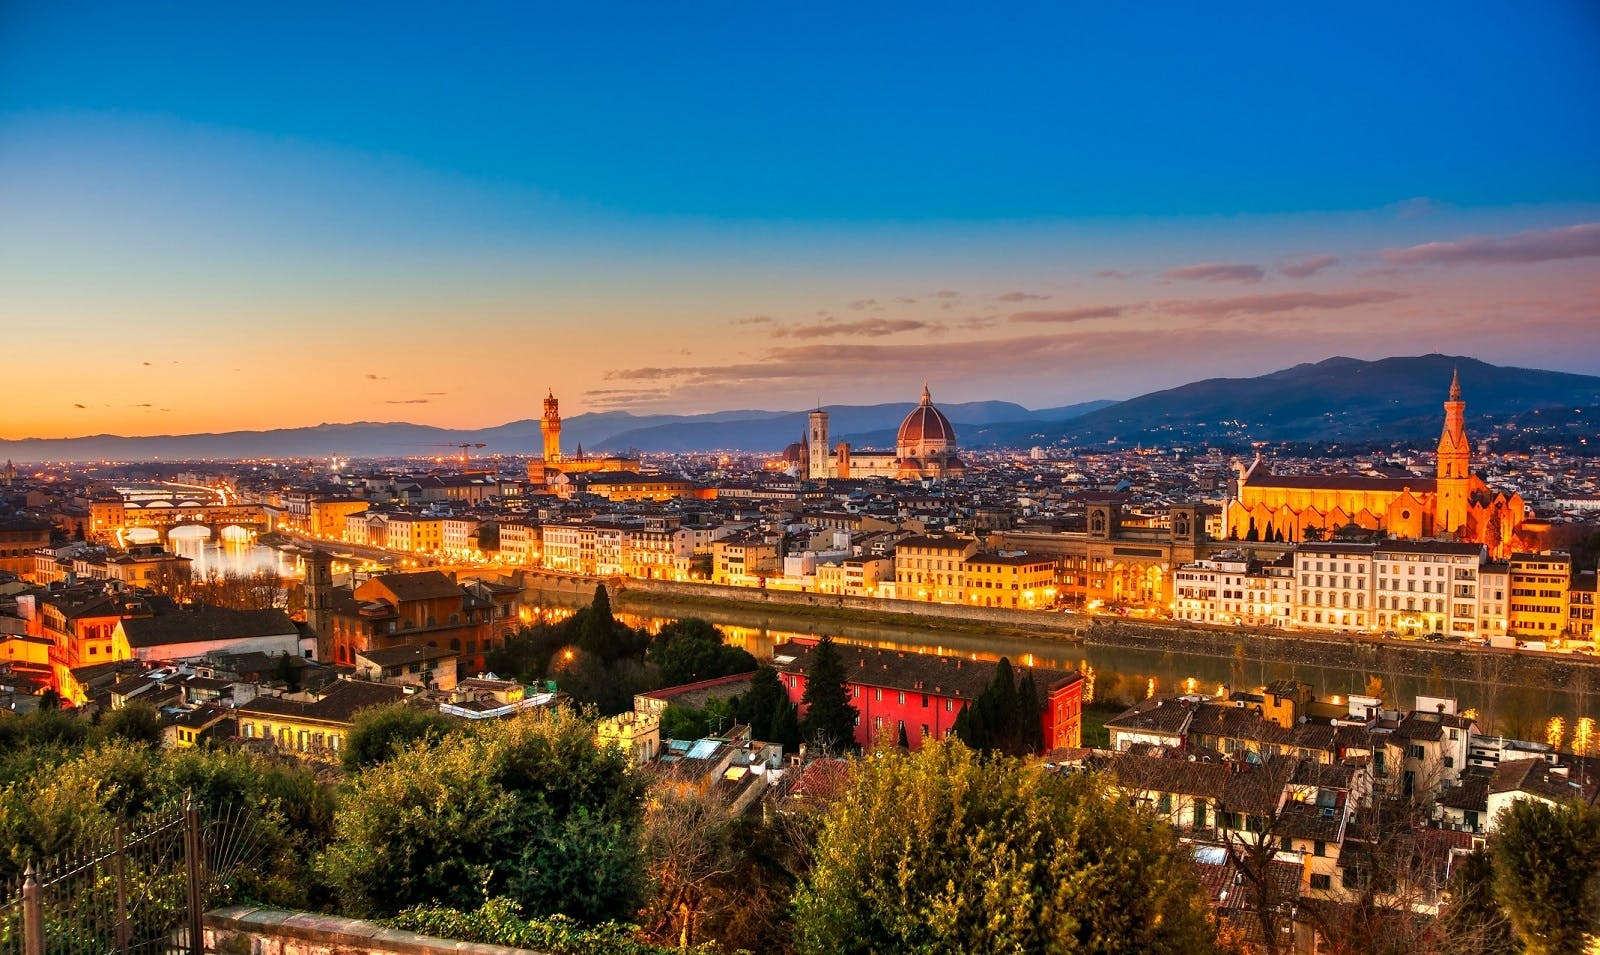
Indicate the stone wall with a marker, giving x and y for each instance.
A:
(247, 930)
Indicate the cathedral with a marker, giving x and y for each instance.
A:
(1454, 503)
(925, 447)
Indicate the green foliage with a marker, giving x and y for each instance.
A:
(1472, 923)
(691, 650)
(77, 805)
(830, 721)
(530, 808)
(686, 722)
(136, 723)
(1005, 717)
(499, 921)
(758, 704)
(1546, 863)
(943, 851)
(381, 731)
(600, 635)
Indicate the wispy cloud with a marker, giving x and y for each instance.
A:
(80, 406)
(1278, 303)
(1114, 274)
(406, 401)
(1216, 272)
(947, 293)
(862, 304)
(1545, 245)
(372, 377)
(754, 320)
(864, 328)
(1305, 268)
(1067, 316)
(1020, 297)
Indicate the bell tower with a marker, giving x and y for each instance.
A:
(1454, 469)
(817, 446)
(319, 599)
(550, 428)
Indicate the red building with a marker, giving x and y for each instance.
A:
(922, 693)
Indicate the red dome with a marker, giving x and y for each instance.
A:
(925, 423)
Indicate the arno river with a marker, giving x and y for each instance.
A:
(1519, 710)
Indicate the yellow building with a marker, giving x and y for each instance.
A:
(317, 726)
(637, 734)
(1008, 580)
(1539, 595)
(327, 517)
(930, 567)
(1453, 503)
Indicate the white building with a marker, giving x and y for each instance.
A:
(1428, 587)
(1333, 586)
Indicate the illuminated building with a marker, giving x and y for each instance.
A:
(542, 471)
(1427, 587)
(1454, 503)
(1539, 594)
(920, 695)
(925, 447)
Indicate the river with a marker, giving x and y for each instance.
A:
(1125, 674)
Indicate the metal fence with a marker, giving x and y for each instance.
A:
(141, 892)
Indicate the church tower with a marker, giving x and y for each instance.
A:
(550, 427)
(319, 599)
(1454, 472)
(817, 446)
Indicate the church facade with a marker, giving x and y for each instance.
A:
(925, 448)
(1455, 503)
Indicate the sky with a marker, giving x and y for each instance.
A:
(218, 217)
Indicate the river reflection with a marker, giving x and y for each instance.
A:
(239, 557)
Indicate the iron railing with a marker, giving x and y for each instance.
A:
(141, 892)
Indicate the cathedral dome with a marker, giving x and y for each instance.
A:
(926, 425)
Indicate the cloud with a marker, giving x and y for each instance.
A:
(436, 394)
(1278, 303)
(1217, 272)
(1544, 245)
(626, 395)
(406, 401)
(1067, 316)
(1415, 207)
(1305, 268)
(864, 328)
(978, 323)
(147, 364)
(862, 303)
(143, 405)
(1114, 274)
(906, 301)
(1020, 297)
(754, 320)
(372, 377)
(946, 293)
(80, 406)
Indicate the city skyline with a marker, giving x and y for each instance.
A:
(260, 224)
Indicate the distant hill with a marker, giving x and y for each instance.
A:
(1340, 399)
(606, 431)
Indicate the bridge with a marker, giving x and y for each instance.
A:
(164, 516)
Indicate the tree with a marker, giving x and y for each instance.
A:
(829, 723)
(691, 650)
(531, 808)
(758, 705)
(1546, 863)
(380, 732)
(1004, 717)
(597, 631)
(785, 725)
(943, 851)
(136, 723)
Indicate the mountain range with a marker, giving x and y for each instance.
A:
(1340, 399)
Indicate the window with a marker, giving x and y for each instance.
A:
(1320, 881)
(1319, 849)
(948, 705)
(877, 694)
(902, 699)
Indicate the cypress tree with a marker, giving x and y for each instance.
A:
(598, 632)
(785, 725)
(758, 705)
(830, 720)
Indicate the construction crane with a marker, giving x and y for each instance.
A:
(465, 446)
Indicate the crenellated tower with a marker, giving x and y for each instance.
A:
(550, 428)
(1454, 469)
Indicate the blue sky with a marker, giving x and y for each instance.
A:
(388, 176)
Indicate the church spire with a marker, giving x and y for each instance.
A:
(1455, 384)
